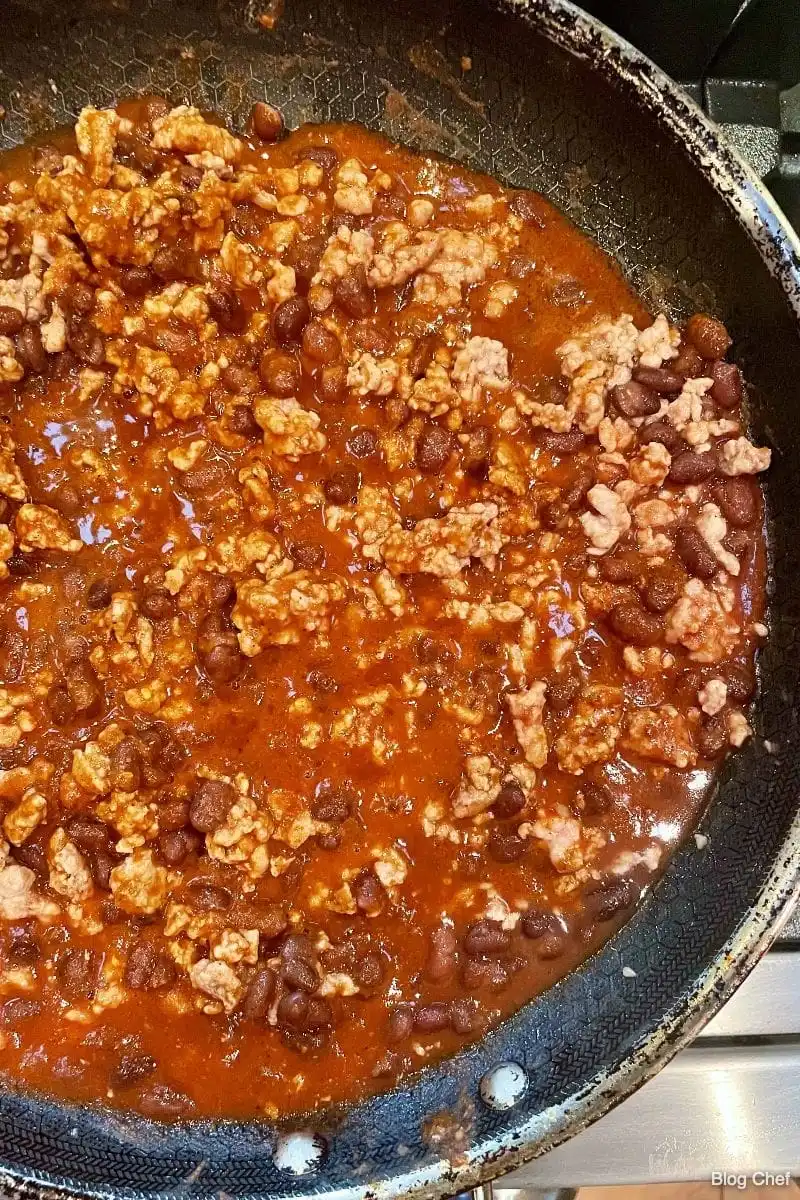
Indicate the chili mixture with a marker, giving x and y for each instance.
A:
(380, 589)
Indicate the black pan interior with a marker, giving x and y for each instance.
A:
(537, 117)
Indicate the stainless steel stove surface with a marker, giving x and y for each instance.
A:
(731, 1101)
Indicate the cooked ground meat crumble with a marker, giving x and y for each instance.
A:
(381, 585)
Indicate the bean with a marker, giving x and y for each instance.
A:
(173, 263)
(125, 769)
(173, 846)
(221, 657)
(434, 448)
(635, 625)
(23, 945)
(610, 896)
(160, 1100)
(712, 736)
(597, 797)
(307, 555)
(266, 122)
(552, 945)
(694, 552)
(420, 357)
(562, 688)
(135, 281)
(174, 814)
(368, 893)
(99, 594)
(269, 919)
(430, 1018)
(132, 1069)
(510, 800)
(260, 990)
(77, 973)
(505, 847)
(226, 308)
(486, 938)
(555, 514)
(303, 256)
(83, 687)
(428, 650)
(157, 604)
(664, 432)
(293, 1009)
(726, 390)
(708, 336)
(11, 320)
(688, 362)
(319, 343)
(740, 679)
(88, 834)
(529, 208)
(207, 896)
(17, 1009)
(363, 443)
(324, 156)
(60, 705)
(691, 468)
(659, 379)
(354, 295)
(341, 487)
(563, 443)
(463, 1015)
(242, 422)
(536, 922)
(623, 566)
(441, 962)
(280, 372)
(737, 500)
(401, 1023)
(78, 298)
(30, 351)
(332, 804)
(330, 382)
(239, 380)
(664, 586)
(477, 452)
(319, 1014)
(299, 975)
(633, 399)
(290, 319)
(368, 971)
(210, 805)
(484, 972)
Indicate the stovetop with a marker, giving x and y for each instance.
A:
(731, 1102)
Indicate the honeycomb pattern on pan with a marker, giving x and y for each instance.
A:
(535, 117)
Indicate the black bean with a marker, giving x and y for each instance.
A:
(132, 1069)
(434, 448)
(529, 207)
(299, 975)
(737, 501)
(226, 308)
(562, 689)
(660, 379)
(441, 962)
(708, 336)
(77, 973)
(368, 971)
(610, 896)
(319, 343)
(242, 422)
(293, 1009)
(324, 156)
(307, 555)
(505, 846)
(712, 737)
(689, 467)
(11, 320)
(18, 1008)
(563, 443)
(635, 625)
(30, 351)
(401, 1023)
(463, 1015)
(174, 263)
(23, 945)
(510, 800)
(664, 432)
(135, 281)
(341, 487)
(332, 804)
(430, 1018)
(477, 452)
(290, 320)
(354, 294)
(280, 372)
(210, 805)
(363, 443)
(157, 604)
(694, 552)
(368, 893)
(536, 922)
(266, 122)
(663, 588)
(726, 390)
(99, 594)
(207, 896)
(486, 938)
(260, 990)
(633, 399)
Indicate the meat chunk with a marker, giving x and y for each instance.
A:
(277, 612)
(479, 787)
(481, 363)
(186, 130)
(217, 980)
(444, 548)
(139, 883)
(610, 520)
(19, 898)
(289, 429)
(40, 527)
(527, 709)
(661, 735)
(592, 733)
(700, 623)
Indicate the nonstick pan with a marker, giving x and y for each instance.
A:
(552, 101)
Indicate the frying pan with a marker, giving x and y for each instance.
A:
(555, 102)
